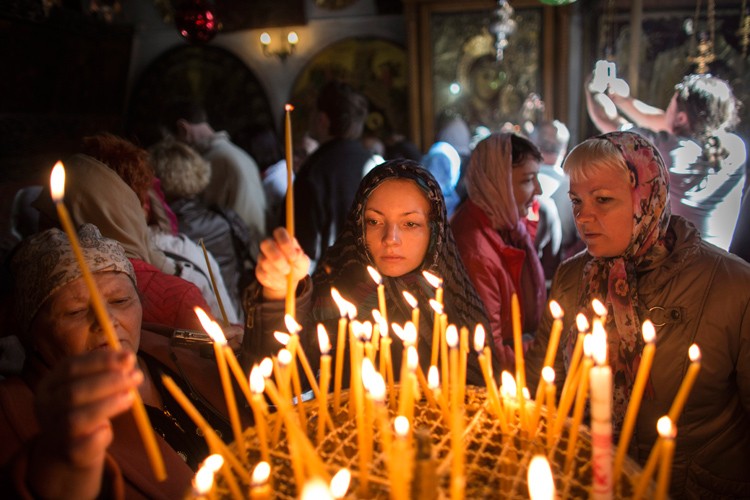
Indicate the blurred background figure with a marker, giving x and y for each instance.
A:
(444, 164)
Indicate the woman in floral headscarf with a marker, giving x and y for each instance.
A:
(643, 264)
(398, 225)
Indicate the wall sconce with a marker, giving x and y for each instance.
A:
(291, 43)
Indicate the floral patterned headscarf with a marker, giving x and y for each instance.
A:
(613, 280)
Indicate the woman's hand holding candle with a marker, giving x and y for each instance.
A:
(279, 256)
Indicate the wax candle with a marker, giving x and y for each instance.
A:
(601, 417)
(457, 449)
(377, 392)
(539, 479)
(290, 285)
(381, 290)
(260, 488)
(463, 354)
(436, 283)
(294, 328)
(599, 309)
(414, 304)
(549, 378)
(325, 378)
(554, 335)
(257, 387)
(402, 459)
(340, 343)
(406, 398)
(641, 378)
(364, 429)
(515, 308)
(57, 190)
(694, 353)
(548, 373)
(436, 340)
(213, 284)
(220, 342)
(203, 482)
(571, 379)
(316, 489)
(215, 463)
(376, 326)
(340, 483)
(580, 402)
(484, 356)
(433, 382)
(509, 392)
(667, 433)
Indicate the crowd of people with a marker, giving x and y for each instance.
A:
(639, 217)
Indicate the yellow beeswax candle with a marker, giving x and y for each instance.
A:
(694, 353)
(667, 433)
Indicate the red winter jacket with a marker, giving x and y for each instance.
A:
(166, 299)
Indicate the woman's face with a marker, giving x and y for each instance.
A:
(526, 185)
(66, 324)
(397, 229)
(603, 210)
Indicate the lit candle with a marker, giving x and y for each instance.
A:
(260, 488)
(283, 375)
(381, 291)
(401, 459)
(601, 417)
(694, 353)
(540, 480)
(406, 398)
(463, 353)
(204, 481)
(436, 340)
(220, 342)
(509, 391)
(377, 323)
(414, 304)
(515, 308)
(457, 449)
(641, 378)
(554, 335)
(483, 354)
(433, 382)
(57, 190)
(571, 379)
(325, 379)
(316, 489)
(548, 374)
(580, 402)
(257, 386)
(294, 347)
(599, 309)
(215, 463)
(290, 285)
(377, 392)
(667, 433)
(436, 283)
(340, 344)
(340, 483)
(364, 429)
(213, 284)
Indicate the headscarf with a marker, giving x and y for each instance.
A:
(45, 262)
(95, 194)
(344, 264)
(613, 280)
(489, 183)
(443, 162)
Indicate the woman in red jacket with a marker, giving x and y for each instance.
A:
(490, 230)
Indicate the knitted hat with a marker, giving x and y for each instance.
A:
(45, 262)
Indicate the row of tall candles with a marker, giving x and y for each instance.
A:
(373, 392)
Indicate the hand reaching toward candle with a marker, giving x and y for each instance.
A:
(74, 405)
(278, 256)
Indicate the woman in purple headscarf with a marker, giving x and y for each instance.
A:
(643, 264)
(490, 231)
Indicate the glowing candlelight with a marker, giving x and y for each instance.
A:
(599, 309)
(601, 417)
(294, 329)
(644, 368)
(414, 304)
(433, 382)
(57, 189)
(220, 345)
(667, 433)
(408, 383)
(436, 283)
(509, 391)
(548, 373)
(257, 387)
(204, 481)
(694, 353)
(340, 483)
(325, 379)
(381, 290)
(260, 487)
(283, 360)
(344, 310)
(540, 480)
(316, 489)
(484, 356)
(554, 336)
(377, 323)
(377, 392)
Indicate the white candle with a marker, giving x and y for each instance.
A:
(601, 417)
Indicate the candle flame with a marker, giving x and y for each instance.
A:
(282, 337)
(288, 107)
(433, 378)
(412, 358)
(356, 327)
(599, 343)
(508, 384)
(582, 323)
(340, 483)
(588, 345)
(266, 367)
(261, 473)
(433, 280)
(375, 275)
(694, 353)
(401, 426)
(291, 324)
(599, 308)
(548, 374)
(214, 462)
(203, 480)
(366, 331)
(665, 428)
(316, 489)
(257, 380)
(382, 323)
(649, 333)
(57, 182)
(212, 328)
(323, 340)
(368, 372)
(410, 333)
(410, 299)
(377, 387)
(479, 337)
(284, 357)
(526, 394)
(398, 330)
(436, 306)
(340, 302)
(540, 480)
(555, 309)
(451, 336)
